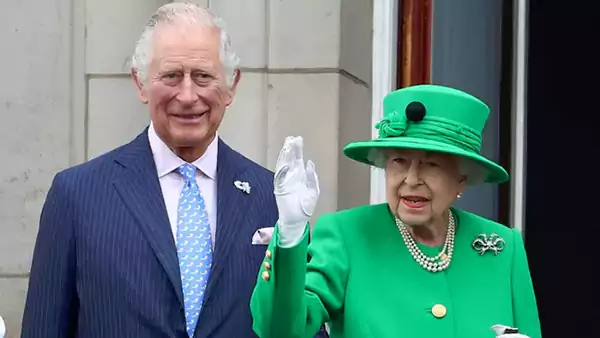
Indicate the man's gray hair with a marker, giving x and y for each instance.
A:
(474, 173)
(183, 13)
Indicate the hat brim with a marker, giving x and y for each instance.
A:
(362, 152)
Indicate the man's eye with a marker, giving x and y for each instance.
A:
(202, 76)
(171, 75)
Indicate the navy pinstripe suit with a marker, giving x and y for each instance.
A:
(105, 262)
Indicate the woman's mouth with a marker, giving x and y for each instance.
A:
(414, 202)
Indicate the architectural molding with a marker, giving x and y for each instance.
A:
(519, 111)
(385, 41)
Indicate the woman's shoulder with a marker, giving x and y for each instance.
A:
(358, 217)
(365, 212)
(470, 219)
(476, 226)
(366, 223)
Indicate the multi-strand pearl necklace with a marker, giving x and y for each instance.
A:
(434, 264)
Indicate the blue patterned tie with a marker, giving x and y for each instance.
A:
(193, 246)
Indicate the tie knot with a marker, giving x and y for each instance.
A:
(188, 171)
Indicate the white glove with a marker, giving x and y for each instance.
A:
(512, 335)
(296, 191)
(2, 328)
(500, 329)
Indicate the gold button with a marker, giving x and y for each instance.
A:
(267, 266)
(438, 310)
(268, 254)
(266, 276)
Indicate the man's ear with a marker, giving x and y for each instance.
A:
(237, 75)
(141, 89)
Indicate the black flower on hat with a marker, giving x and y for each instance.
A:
(415, 111)
(395, 124)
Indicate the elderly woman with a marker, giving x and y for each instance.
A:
(413, 267)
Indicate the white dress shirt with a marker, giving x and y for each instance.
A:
(171, 182)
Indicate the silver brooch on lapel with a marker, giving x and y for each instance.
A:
(494, 243)
(243, 186)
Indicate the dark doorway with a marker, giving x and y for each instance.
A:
(506, 107)
(563, 141)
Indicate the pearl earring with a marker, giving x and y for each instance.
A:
(458, 196)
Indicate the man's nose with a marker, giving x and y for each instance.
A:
(187, 94)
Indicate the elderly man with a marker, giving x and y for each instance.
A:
(164, 236)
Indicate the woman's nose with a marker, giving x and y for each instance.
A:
(412, 177)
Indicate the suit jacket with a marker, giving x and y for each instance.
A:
(362, 278)
(105, 261)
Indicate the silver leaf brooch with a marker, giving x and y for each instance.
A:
(494, 243)
(243, 186)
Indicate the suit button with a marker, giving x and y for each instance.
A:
(267, 265)
(266, 276)
(268, 254)
(439, 310)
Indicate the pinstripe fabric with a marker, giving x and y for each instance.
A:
(105, 262)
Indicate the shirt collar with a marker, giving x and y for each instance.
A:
(167, 161)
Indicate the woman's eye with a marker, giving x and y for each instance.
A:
(432, 164)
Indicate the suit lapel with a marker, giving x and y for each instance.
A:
(140, 190)
(232, 204)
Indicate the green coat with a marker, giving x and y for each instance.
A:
(364, 282)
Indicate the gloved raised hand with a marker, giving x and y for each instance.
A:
(2, 328)
(503, 331)
(296, 189)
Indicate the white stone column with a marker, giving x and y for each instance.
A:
(34, 133)
(306, 70)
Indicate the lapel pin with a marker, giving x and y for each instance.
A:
(243, 186)
(494, 243)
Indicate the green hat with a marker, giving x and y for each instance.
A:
(431, 118)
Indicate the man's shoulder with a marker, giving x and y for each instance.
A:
(254, 166)
(95, 168)
(246, 163)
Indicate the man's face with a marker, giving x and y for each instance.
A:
(186, 87)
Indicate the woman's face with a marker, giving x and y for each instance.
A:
(421, 185)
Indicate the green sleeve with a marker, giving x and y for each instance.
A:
(523, 295)
(296, 297)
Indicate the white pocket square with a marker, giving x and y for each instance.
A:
(262, 236)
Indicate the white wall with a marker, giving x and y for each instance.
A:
(67, 97)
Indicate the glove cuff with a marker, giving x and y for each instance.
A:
(291, 235)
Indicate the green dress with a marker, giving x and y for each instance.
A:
(362, 280)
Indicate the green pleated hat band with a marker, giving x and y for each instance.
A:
(415, 123)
